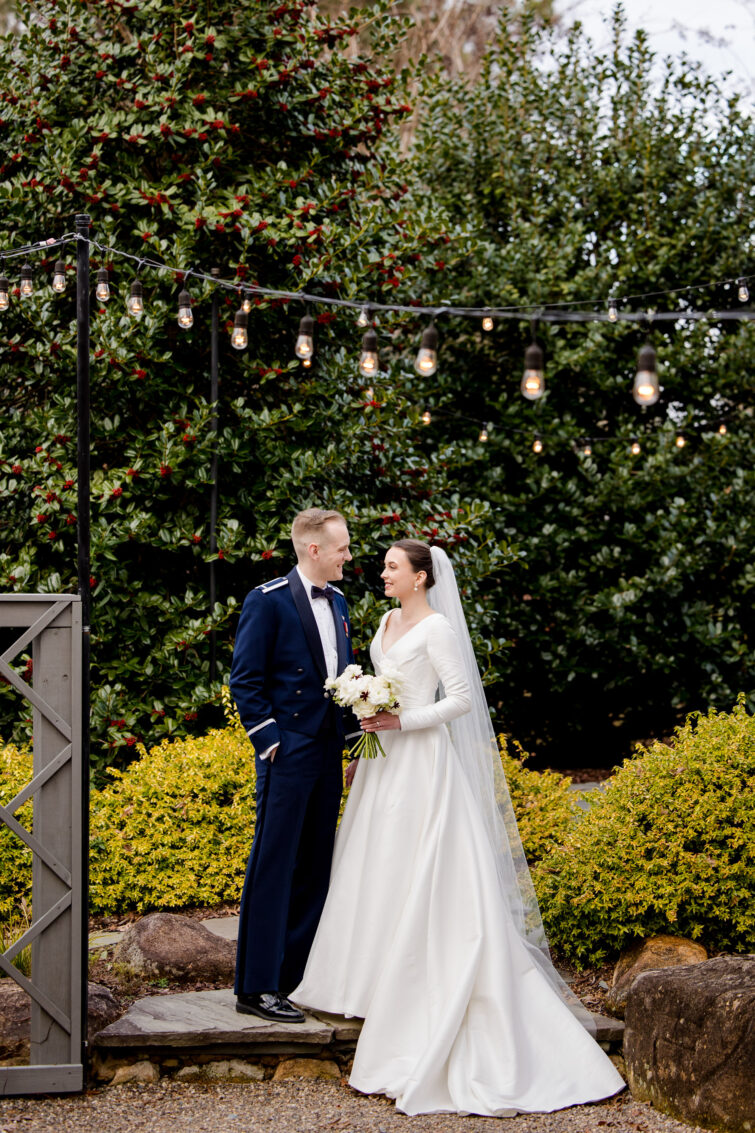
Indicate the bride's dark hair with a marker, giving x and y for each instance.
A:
(419, 556)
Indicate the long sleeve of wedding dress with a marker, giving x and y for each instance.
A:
(445, 656)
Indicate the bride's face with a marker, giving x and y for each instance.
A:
(399, 576)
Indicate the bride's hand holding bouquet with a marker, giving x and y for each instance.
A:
(374, 700)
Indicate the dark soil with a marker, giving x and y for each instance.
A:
(587, 774)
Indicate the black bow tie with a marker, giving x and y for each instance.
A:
(323, 592)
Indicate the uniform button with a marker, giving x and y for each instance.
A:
(300, 670)
(295, 715)
(325, 694)
(298, 692)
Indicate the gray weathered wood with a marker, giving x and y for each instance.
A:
(52, 626)
(41, 1079)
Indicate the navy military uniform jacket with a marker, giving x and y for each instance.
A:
(278, 669)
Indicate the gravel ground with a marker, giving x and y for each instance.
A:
(293, 1106)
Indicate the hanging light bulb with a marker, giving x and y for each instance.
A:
(246, 303)
(426, 417)
(368, 360)
(305, 346)
(646, 390)
(27, 285)
(537, 445)
(743, 291)
(426, 361)
(487, 322)
(364, 318)
(135, 301)
(680, 441)
(59, 277)
(368, 394)
(533, 379)
(485, 432)
(185, 316)
(102, 290)
(722, 430)
(635, 448)
(239, 337)
(613, 311)
(4, 293)
(587, 449)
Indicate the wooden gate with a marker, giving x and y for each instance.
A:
(51, 625)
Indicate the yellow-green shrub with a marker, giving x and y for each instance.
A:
(176, 827)
(668, 846)
(544, 806)
(15, 856)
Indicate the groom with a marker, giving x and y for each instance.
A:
(293, 634)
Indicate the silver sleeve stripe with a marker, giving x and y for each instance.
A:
(257, 727)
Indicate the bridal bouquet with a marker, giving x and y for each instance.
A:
(366, 696)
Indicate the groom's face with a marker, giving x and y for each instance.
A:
(333, 551)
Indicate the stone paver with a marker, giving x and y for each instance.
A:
(209, 1018)
(204, 1018)
(584, 803)
(227, 927)
(104, 939)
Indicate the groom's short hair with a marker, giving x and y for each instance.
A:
(308, 527)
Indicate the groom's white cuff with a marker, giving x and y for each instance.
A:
(264, 736)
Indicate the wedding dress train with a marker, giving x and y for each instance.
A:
(414, 937)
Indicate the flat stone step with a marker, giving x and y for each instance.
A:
(206, 1018)
(608, 1030)
(209, 1019)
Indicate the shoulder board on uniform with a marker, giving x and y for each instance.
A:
(337, 590)
(266, 587)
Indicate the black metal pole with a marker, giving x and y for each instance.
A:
(214, 473)
(82, 422)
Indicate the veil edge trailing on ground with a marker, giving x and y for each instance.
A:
(474, 739)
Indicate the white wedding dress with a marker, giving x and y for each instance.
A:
(414, 939)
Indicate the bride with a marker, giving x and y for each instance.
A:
(431, 931)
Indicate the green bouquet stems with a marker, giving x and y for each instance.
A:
(367, 747)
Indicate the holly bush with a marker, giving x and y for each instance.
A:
(263, 140)
(583, 174)
(667, 846)
(254, 138)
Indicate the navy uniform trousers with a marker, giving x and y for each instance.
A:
(298, 796)
(277, 682)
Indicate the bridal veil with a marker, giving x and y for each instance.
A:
(474, 739)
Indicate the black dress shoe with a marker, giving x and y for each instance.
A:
(269, 1005)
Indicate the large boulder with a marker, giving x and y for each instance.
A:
(179, 948)
(661, 951)
(689, 1042)
(15, 1015)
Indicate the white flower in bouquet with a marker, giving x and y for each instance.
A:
(366, 695)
